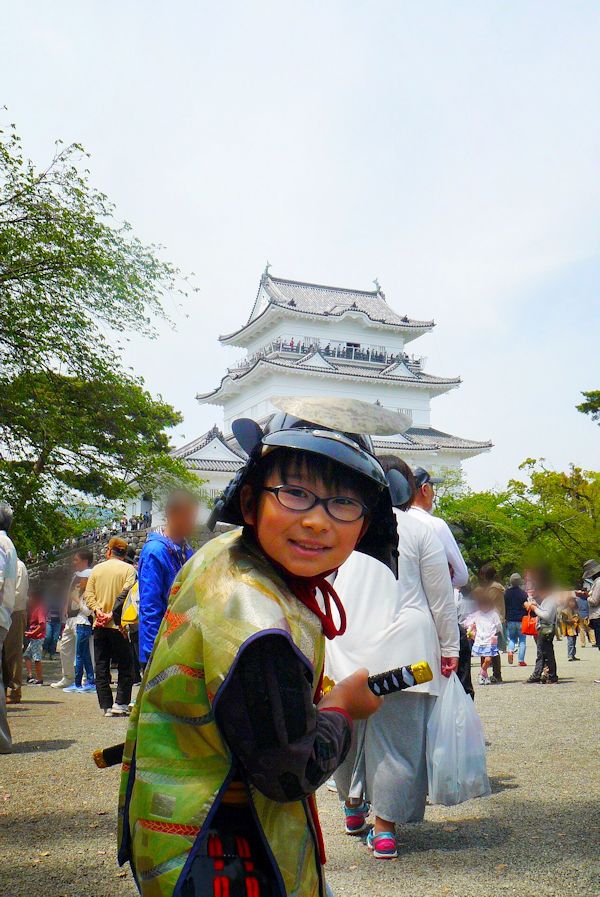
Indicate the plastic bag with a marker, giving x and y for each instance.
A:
(456, 769)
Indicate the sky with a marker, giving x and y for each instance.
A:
(449, 149)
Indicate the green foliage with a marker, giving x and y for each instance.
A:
(591, 405)
(69, 272)
(74, 425)
(550, 518)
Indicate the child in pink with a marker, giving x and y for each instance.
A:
(36, 633)
(483, 626)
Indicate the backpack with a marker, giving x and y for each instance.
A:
(131, 606)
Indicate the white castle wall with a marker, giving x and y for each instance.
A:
(254, 400)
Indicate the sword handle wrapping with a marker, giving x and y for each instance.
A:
(402, 677)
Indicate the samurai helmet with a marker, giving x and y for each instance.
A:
(333, 428)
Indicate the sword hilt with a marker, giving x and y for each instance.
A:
(402, 677)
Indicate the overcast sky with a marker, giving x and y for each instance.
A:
(450, 149)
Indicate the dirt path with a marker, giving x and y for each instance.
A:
(537, 836)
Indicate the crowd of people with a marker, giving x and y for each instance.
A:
(338, 563)
(123, 524)
(79, 616)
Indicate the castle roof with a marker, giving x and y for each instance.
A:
(339, 371)
(414, 441)
(429, 439)
(210, 448)
(298, 298)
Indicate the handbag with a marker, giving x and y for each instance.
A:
(529, 624)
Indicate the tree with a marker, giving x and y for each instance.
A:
(69, 271)
(73, 281)
(591, 405)
(550, 518)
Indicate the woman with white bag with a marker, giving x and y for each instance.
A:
(389, 624)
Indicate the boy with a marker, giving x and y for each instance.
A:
(229, 738)
(545, 608)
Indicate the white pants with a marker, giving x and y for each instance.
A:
(66, 649)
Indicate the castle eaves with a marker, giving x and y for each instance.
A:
(353, 372)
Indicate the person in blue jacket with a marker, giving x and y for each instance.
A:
(161, 559)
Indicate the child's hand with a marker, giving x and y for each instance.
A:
(354, 696)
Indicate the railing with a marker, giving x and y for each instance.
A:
(344, 351)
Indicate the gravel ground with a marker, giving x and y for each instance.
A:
(536, 836)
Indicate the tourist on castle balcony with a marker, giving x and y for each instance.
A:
(161, 559)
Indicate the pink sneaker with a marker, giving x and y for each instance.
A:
(382, 845)
(356, 818)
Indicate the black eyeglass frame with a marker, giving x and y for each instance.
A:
(317, 501)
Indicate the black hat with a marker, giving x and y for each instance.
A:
(349, 449)
(423, 476)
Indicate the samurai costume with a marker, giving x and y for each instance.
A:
(225, 746)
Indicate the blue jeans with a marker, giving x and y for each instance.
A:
(52, 636)
(83, 657)
(515, 635)
(571, 646)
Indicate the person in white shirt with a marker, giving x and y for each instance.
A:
(389, 624)
(8, 588)
(83, 635)
(81, 563)
(12, 654)
(422, 507)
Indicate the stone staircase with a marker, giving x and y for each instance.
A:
(59, 565)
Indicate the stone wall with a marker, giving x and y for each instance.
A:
(60, 566)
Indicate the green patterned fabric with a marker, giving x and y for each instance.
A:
(175, 761)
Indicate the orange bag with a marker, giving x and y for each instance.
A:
(529, 624)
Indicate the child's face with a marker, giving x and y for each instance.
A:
(306, 543)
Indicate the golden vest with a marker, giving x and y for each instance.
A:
(176, 765)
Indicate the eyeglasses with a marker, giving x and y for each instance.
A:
(297, 498)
